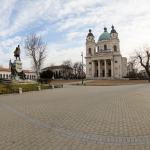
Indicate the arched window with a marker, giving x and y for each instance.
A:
(115, 48)
(89, 50)
(105, 47)
(98, 48)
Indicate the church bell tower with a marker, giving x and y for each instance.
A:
(90, 44)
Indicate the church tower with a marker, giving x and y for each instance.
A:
(115, 40)
(90, 51)
(90, 44)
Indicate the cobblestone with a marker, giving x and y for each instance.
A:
(114, 117)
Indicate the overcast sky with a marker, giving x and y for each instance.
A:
(64, 25)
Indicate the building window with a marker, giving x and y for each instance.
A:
(115, 48)
(89, 50)
(116, 62)
(105, 47)
(89, 62)
(97, 64)
(109, 64)
(103, 64)
(98, 48)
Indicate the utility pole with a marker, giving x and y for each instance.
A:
(82, 66)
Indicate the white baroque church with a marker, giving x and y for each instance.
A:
(104, 59)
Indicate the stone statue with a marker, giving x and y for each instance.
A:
(16, 67)
(13, 70)
(15, 73)
(17, 52)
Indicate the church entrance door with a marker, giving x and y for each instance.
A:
(109, 73)
(103, 73)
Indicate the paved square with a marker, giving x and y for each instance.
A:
(77, 117)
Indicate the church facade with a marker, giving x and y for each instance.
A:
(104, 59)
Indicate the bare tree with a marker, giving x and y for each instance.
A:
(79, 68)
(35, 49)
(75, 67)
(132, 68)
(67, 68)
(141, 55)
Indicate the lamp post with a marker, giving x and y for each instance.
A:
(149, 63)
(82, 66)
(119, 70)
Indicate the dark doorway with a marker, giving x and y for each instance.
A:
(97, 73)
(103, 73)
(109, 73)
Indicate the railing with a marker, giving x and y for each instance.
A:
(8, 91)
(104, 51)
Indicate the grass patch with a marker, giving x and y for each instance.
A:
(64, 81)
(114, 82)
(6, 89)
(2, 86)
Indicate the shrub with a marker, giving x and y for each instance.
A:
(45, 80)
(46, 74)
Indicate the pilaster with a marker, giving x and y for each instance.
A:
(105, 66)
(93, 68)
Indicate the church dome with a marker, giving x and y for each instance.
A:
(104, 36)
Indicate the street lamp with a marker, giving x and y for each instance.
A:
(149, 63)
(82, 66)
(119, 70)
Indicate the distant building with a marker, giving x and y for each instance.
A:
(144, 73)
(62, 71)
(103, 58)
(6, 73)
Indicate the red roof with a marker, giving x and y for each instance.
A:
(28, 71)
(6, 69)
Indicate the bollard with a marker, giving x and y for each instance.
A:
(19, 90)
(38, 88)
(62, 85)
(52, 86)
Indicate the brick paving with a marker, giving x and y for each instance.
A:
(77, 117)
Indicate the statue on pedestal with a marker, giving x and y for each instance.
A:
(17, 52)
(16, 67)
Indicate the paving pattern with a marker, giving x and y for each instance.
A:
(96, 117)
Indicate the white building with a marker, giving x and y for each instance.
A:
(6, 73)
(104, 59)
